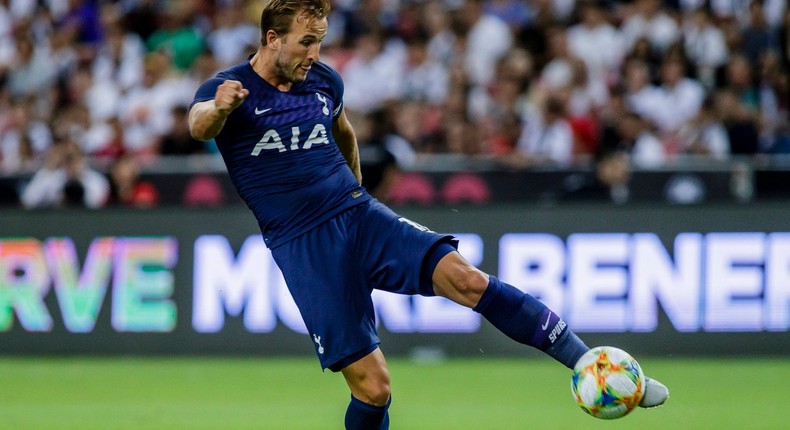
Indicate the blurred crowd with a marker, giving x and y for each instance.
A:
(90, 90)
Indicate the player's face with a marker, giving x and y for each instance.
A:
(299, 48)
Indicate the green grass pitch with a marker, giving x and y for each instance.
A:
(289, 394)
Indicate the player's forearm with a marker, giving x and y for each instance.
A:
(346, 141)
(350, 152)
(206, 121)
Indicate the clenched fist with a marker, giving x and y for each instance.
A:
(230, 94)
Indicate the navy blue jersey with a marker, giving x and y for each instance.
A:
(280, 153)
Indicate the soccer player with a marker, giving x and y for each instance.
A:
(292, 154)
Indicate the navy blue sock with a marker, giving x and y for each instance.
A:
(525, 319)
(362, 416)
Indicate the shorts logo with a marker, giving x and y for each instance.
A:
(317, 340)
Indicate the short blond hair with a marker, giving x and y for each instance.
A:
(278, 15)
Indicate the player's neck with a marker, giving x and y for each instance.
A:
(263, 67)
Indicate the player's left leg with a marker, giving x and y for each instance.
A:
(518, 315)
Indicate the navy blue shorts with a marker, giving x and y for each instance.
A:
(332, 269)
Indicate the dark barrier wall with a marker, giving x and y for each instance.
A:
(653, 279)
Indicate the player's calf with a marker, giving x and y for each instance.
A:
(527, 320)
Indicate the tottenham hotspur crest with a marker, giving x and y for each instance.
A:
(317, 340)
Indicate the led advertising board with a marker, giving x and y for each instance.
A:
(693, 280)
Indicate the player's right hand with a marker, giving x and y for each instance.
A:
(230, 94)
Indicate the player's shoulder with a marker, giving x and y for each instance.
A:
(325, 77)
(325, 72)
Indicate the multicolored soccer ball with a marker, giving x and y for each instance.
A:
(607, 382)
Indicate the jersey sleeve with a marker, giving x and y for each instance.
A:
(337, 88)
(206, 91)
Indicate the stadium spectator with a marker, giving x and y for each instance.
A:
(32, 70)
(608, 182)
(547, 137)
(598, 43)
(102, 98)
(126, 187)
(374, 73)
(648, 19)
(737, 11)
(437, 23)
(632, 134)
(705, 46)
(757, 37)
(66, 180)
(486, 40)
(176, 36)
(424, 79)
(772, 116)
(23, 138)
(739, 80)
(679, 97)
(178, 141)
(586, 95)
(119, 57)
(460, 136)
(517, 14)
(705, 134)
(146, 109)
(740, 121)
(82, 20)
(641, 96)
(233, 37)
(784, 41)
(500, 106)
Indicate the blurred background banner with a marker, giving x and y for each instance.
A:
(670, 279)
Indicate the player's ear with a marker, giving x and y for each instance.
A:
(272, 39)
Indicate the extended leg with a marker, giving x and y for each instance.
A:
(520, 316)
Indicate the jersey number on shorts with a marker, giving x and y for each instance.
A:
(415, 225)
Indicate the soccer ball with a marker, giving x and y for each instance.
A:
(607, 382)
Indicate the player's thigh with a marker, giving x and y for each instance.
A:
(331, 292)
(393, 249)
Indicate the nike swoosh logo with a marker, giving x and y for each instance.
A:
(258, 112)
(546, 325)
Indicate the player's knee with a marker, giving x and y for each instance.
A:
(468, 284)
(376, 391)
(380, 394)
(471, 282)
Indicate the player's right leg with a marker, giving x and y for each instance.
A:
(369, 381)
(333, 296)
